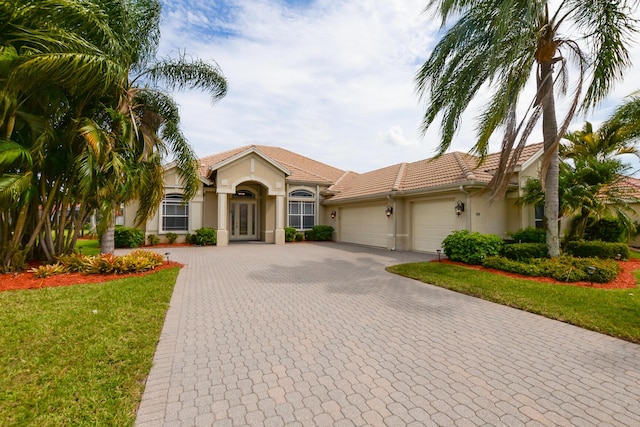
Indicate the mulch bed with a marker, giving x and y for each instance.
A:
(625, 279)
(25, 280)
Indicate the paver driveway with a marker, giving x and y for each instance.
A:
(320, 334)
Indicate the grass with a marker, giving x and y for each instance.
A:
(79, 355)
(613, 312)
(88, 246)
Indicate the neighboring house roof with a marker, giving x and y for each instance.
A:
(630, 186)
(447, 170)
(303, 169)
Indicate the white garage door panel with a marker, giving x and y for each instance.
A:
(364, 225)
(431, 223)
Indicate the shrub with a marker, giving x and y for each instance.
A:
(319, 233)
(134, 262)
(572, 269)
(513, 266)
(607, 230)
(153, 239)
(597, 249)
(529, 235)
(290, 234)
(73, 262)
(299, 237)
(205, 236)
(524, 251)
(190, 239)
(43, 271)
(171, 238)
(471, 248)
(563, 269)
(126, 237)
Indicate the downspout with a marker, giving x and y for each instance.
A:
(468, 203)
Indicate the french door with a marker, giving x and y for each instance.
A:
(243, 220)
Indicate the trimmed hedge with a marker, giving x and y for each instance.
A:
(319, 233)
(563, 269)
(203, 237)
(290, 234)
(524, 251)
(126, 237)
(529, 235)
(471, 248)
(597, 249)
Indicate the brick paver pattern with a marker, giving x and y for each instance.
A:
(320, 335)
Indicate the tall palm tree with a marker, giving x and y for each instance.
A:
(143, 129)
(66, 72)
(500, 45)
(49, 67)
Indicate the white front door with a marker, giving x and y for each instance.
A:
(243, 220)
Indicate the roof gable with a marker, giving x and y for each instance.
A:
(297, 167)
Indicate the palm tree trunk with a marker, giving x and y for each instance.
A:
(550, 135)
(108, 245)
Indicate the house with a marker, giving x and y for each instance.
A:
(254, 192)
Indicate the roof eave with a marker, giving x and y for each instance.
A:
(466, 185)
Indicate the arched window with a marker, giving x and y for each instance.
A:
(302, 209)
(175, 213)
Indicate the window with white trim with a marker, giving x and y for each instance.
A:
(175, 213)
(302, 209)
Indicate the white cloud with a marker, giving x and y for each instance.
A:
(332, 80)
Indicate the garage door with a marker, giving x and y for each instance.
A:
(366, 225)
(431, 222)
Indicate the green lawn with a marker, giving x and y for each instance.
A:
(79, 355)
(88, 246)
(611, 312)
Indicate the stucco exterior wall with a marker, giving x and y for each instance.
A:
(210, 209)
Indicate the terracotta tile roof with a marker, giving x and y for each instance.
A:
(491, 162)
(448, 169)
(302, 168)
(368, 184)
(630, 186)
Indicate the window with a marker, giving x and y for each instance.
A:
(539, 216)
(302, 213)
(175, 214)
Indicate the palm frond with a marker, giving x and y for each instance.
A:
(12, 153)
(182, 73)
(609, 26)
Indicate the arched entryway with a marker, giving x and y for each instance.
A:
(244, 214)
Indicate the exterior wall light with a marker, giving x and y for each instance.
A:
(333, 214)
(389, 211)
(459, 207)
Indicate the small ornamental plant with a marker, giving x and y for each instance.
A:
(137, 261)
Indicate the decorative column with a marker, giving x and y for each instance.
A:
(223, 231)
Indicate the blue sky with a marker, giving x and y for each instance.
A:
(328, 79)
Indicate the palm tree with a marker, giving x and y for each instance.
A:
(127, 149)
(591, 177)
(87, 133)
(611, 140)
(627, 118)
(500, 45)
(48, 69)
